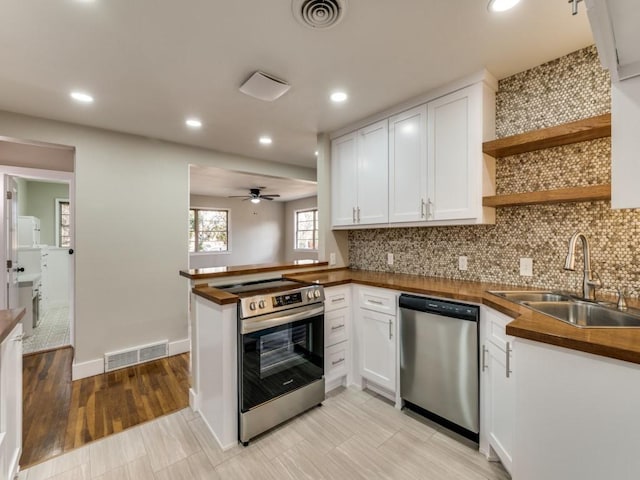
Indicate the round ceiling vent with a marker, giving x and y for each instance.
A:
(319, 14)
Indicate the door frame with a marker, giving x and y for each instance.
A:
(56, 176)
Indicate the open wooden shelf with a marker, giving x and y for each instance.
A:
(562, 195)
(580, 131)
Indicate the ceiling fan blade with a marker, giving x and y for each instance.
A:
(274, 195)
(240, 196)
(265, 198)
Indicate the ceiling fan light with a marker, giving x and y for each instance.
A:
(501, 5)
(255, 200)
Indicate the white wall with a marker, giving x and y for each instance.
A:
(290, 253)
(256, 232)
(132, 200)
(40, 198)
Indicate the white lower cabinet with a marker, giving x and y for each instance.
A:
(376, 325)
(11, 403)
(337, 325)
(497, 387)
(578, 415)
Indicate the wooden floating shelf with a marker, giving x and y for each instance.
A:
(563, 195)
(574, 132)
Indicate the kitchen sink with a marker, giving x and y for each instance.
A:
(532, 296)
(584, 314)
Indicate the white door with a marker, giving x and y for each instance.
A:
(408, 165)
(373, 174)
(344, 174)
(378, 348)
(11, 403)
(450, 154)
(9, 243)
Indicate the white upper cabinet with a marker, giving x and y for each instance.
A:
(344, 175)
(428, 169)
(408, 166)
(373, 183)
(359, 179)
(455, 143)
(614, 24)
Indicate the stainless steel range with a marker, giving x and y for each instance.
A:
(280, 352)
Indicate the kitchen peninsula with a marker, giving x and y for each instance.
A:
(540, 348)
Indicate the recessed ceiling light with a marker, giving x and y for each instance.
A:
(265, 140)
(193, 123)
(316, 153)
(81, 97)
(501, 5)
(338, 97)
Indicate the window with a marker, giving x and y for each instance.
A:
(307, 230)
(63, 223)
(208, 230)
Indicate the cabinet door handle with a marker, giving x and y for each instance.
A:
(336, 362)
(484, 358)
(508, 360)
(358, 210)
(429, 209)
(390, 329)
(354, 215)
(422, 205)
(339, 299)
(375, 302)
(336, 327)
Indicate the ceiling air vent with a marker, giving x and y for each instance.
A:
(319, 14)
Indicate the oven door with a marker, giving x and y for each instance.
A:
(278, 354)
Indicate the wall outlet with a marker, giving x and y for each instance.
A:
(526, 267)
(389, 258)
(332, 258)
(462, 263)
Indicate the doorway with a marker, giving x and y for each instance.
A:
(43, 229)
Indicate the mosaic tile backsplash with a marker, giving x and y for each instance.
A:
(564, 90)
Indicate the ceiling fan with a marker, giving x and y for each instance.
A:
(255, 196)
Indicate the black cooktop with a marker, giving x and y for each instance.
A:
(260, 286)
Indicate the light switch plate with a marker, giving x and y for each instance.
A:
(389, 258)
(332, 258)
(526, 267)
(462, 263)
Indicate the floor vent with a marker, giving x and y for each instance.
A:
(133, 356)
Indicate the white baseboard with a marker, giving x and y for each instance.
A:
(334, 383)
(87, 369)
(193, 400)
(223, 447)
(179, 346)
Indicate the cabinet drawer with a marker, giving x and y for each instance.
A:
(337, 297)
(378, 300)
(496, 324)
(336, 360)
(336, 326)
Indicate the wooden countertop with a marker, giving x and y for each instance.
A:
(8, 320)
(217, 272)
(618, 343)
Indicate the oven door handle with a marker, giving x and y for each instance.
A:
(251, 325)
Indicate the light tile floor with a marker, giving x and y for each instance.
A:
(53, 331)
(354, 435)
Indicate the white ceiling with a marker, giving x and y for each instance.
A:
(152, 63)
(216, 182)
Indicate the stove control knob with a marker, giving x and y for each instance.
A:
(310, 295)
(316, 293)
(261, 304)
(252, 306)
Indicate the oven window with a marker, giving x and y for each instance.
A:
(277, 360)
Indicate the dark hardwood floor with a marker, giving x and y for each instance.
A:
(60, 415)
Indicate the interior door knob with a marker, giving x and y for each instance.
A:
(20, 269)
(71, 251)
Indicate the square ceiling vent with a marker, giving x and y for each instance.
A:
(264, 87)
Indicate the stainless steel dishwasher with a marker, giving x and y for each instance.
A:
(439, 361)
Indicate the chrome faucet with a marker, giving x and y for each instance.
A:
(589, 284)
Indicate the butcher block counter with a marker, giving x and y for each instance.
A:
(8, 320)
(618, 343)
